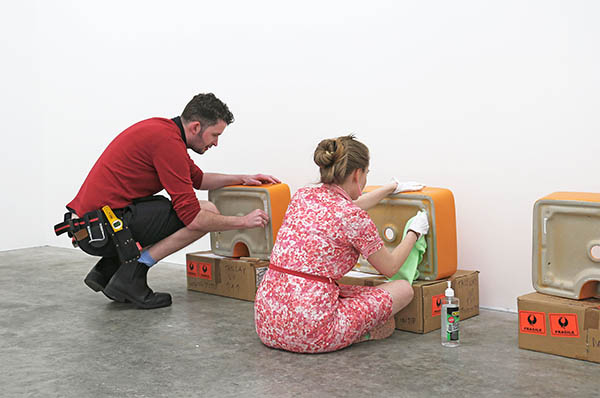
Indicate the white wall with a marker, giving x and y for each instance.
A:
(21, 130)
(495, 100)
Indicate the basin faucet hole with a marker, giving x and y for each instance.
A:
(595, 252)
(389, 234)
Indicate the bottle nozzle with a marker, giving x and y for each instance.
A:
(449, 291)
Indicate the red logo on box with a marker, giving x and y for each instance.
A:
(192, 269)
(563, 325)
(199, 270)
(436, 304)
(204, 271)
(531, 322)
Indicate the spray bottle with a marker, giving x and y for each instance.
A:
(450, 318)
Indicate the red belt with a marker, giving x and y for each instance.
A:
(318, 278)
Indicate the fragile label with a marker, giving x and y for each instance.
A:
(205, 271)
(531, 322)
(436, 304)
(192, 269)
(563, 325)
(199, 270)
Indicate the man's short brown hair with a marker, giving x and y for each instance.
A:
(207, 109)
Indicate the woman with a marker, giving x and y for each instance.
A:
(298, 306)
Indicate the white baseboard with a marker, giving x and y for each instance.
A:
(512, 311)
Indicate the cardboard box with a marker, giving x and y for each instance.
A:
(224, 276)
(422, 314)
(560, 326)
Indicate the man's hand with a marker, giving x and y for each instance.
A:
(258, 179)
(255, 219)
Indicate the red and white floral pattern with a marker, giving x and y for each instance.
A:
(323, 234)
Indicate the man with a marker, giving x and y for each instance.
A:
(141, 161)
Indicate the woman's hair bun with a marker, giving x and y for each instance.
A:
(338, 157)
(328, 152)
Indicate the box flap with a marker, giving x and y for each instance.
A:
(458, 274)
(593, 344)
(536, 297)
(206, 254)
(592, 318)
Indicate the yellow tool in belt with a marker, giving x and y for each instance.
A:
(114, 222)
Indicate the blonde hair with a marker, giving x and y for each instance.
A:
(338, 157)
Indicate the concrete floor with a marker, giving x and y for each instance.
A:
(58, 338)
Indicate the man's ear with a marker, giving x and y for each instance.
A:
(195, 127)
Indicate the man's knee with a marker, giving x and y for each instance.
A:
(209, 206)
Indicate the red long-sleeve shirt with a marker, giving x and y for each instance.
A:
(141, 161)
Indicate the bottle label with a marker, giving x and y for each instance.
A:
(452, 320)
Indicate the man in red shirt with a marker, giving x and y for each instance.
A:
(141, 161)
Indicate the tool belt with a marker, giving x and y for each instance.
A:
(96, 227)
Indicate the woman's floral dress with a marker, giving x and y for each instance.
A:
(322, 234)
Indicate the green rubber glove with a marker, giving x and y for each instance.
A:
(409, 271)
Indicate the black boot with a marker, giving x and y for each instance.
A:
(129, 283)
(99, 276)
